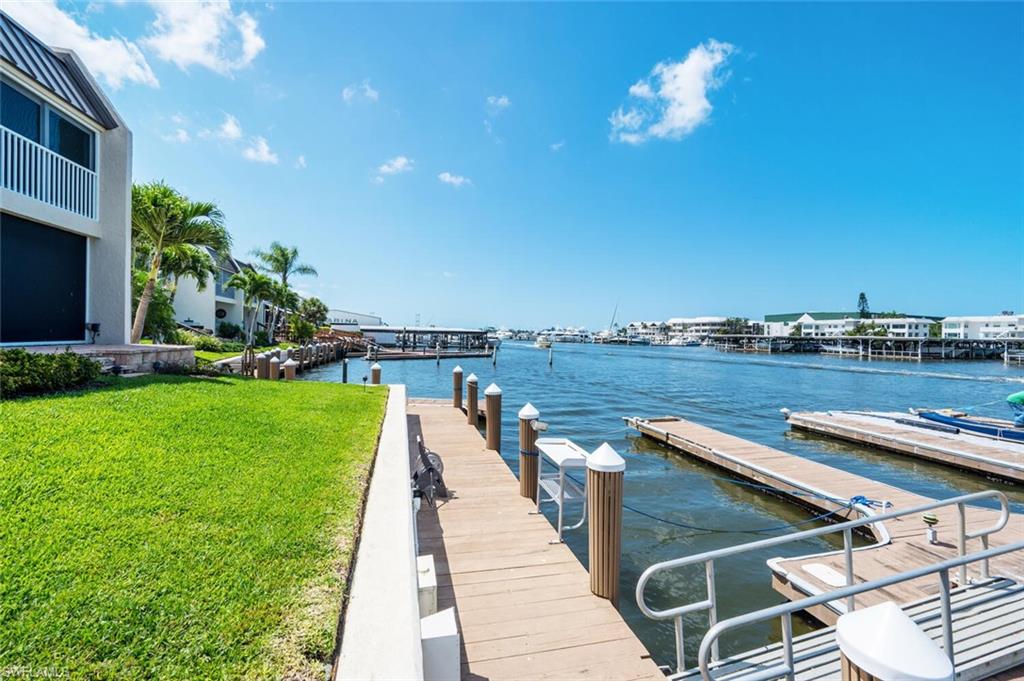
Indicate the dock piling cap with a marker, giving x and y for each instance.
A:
(492, 389)
(291, 363)
(375, 367)
(605, 459)
(471, 378)
(885, 643)
(457, 369)
(529, 413)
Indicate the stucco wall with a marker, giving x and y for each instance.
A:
(190, 303)
(110, 254)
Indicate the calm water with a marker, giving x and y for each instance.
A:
(588, 390)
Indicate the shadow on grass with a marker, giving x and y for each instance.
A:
(115, 383)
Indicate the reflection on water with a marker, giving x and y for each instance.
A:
(588, 390)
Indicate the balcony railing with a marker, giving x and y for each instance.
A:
(33, 170)
(222, 289)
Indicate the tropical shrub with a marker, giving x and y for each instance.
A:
(313, 310)
(31, 373)
(301, 329)
(229, 330)
(261, 339)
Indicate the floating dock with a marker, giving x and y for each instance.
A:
(523, 605)
(900, 545)
(910, 435)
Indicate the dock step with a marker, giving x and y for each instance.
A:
(988, 638)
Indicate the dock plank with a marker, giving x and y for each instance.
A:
(523, 605)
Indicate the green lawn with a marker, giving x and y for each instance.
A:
(211, 356)
(177, 527)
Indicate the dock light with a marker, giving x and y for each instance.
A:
(539, 426)
(930, 521)
(94, 330)
(364, 381)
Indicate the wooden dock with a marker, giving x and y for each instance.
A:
(805, 482)
(523, 606)
(894, 432)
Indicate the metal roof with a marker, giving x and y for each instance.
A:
(419, 329)
(56, 72)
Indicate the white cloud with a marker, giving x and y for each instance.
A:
(230, 129)
(454, 180)
(207, 33)
(115, 60)
(399, 164)
(362, 90)
(498, 103)
(300, 162)
(557, 146)
(673, 101)
(177, 119)
(259, 151)
(180, 135)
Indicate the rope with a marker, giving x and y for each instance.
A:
(847, 505)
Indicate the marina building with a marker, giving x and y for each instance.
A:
(65, 192)
(991, 327)
(895, 327)
(346, 320)
(649, 331)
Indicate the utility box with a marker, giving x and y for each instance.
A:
(426, 577)
(441, 657)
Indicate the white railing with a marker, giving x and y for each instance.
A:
(708, 558)
(33, 170)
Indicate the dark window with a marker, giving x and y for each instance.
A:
(19, 113)
(70, 141)
(42, 283)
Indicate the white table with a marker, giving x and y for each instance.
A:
(566, 456)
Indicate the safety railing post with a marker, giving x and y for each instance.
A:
(961, 543)
(680, 645)
(709, 575)
(848, 553)
(787, 644)
(947, 614)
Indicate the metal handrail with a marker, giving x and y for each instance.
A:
(786, 610)
(709, 557)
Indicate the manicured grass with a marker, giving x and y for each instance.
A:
(178, 527)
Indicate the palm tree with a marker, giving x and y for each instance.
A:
(283, 299)
(165, 219)
(255, 287)
(187, 261)
(283, 261)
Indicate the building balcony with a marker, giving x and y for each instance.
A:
(34, 171)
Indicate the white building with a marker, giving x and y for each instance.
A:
(647, 330)
(1006, 325)
(346, 320)
(895, 327)
(65, 196)
(217, 302)
(697, 327)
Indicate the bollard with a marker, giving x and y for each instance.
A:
(528, 461)
(472, 403)
(344, 370)
(492, 407)
(276, 352)
(289, 369)
(375, 374)
(287, 354)
(275, 369)
(457, 387)
(605, 471)
(551, 356)
(262, 366)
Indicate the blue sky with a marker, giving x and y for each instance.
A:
(529, 165)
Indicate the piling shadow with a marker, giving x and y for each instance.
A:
(431, 540)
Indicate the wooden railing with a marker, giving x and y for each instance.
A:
(33, 170)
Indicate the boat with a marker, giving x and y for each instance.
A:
(1003, 430)
(542, 342)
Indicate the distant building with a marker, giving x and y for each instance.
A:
(1005, 325)
(648, 330)
(217, 303)
(829, 324)
(346, 320)
(65, 192)
(696, 326)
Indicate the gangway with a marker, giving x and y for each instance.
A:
(975, 617)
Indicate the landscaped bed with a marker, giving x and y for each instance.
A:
(179, 527)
